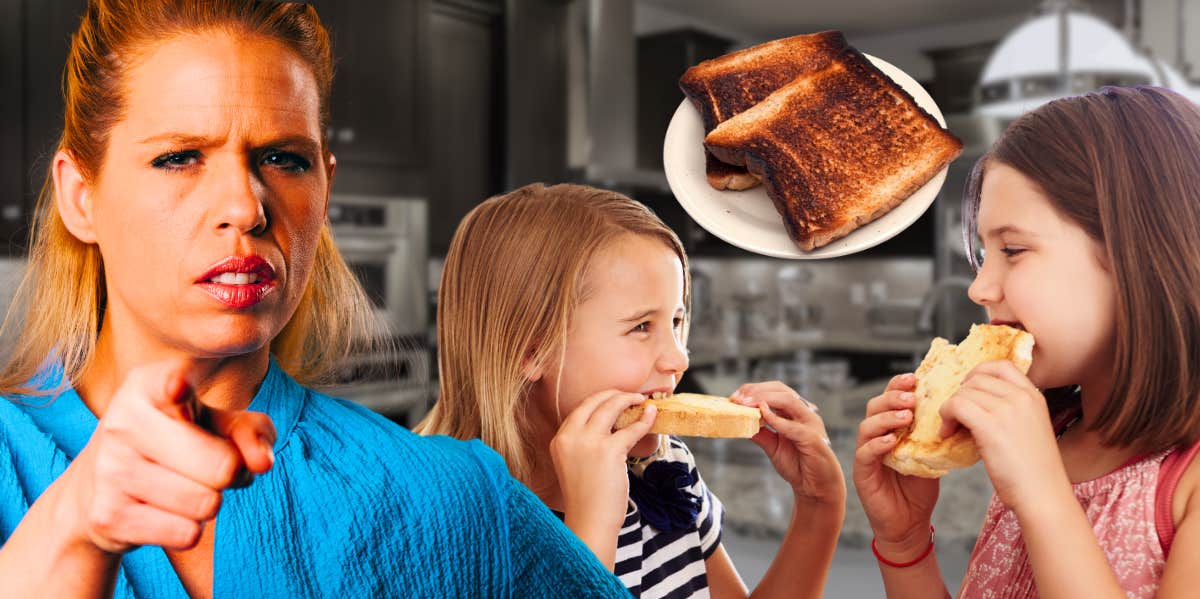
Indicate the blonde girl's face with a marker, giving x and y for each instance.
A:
(215, 169)
(1042, 272)
(627, 332)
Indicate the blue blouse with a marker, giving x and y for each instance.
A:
(355, 506)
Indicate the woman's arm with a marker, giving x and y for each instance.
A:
(47, 557)
(148, 476)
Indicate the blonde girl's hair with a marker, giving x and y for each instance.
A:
(59, 306)
(513, 277)
(1124, 165)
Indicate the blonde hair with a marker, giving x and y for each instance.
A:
(59, 306)
(513, 277)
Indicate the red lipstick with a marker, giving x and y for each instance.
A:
(239, 282)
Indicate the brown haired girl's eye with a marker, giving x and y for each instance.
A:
(678, 322)
(642, 328)
(176, 161)
(1010, 251)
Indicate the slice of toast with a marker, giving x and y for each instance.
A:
(922, 451)
(695, 415)
(728, 85)
(836, 149)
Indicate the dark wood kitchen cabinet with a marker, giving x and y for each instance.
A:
(379, 127)
(34, 39)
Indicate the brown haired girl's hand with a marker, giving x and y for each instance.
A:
(1010, 422)
(898, 507)
(150, 476)
(589, 459)
(798, 447)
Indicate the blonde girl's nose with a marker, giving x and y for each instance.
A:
(673, 358)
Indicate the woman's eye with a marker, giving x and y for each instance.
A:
(286, 161)
(176, 161)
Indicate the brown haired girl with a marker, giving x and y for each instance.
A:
(181, 252)
(561, 306)
(1088, 209)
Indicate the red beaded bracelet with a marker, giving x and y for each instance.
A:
(887, 562)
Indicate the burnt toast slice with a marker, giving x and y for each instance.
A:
(728, 85)
(836, 148)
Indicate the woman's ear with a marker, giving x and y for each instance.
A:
(73, 197)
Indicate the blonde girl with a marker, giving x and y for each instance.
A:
(561, 306)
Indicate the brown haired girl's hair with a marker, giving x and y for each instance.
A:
(513, 277)
(1124, 164)
(60, 303)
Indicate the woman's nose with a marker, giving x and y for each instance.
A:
(242, 202)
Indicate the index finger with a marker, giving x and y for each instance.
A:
(906, 381)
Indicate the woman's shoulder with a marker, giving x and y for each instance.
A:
(352, 423)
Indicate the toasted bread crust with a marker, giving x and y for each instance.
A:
(921, 450)
(694, 415)
(728, 85)
(836, 148)
(728, 177)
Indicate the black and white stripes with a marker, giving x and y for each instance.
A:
(655, 564)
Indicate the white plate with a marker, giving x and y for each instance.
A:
(748, 219)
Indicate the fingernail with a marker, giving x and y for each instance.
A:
(268, 447)
(888, 438)
(903, 415)
(907, 396)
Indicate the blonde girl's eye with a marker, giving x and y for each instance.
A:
(677, 322)
(1011, 251)
(643, 327)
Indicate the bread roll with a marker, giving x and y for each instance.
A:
(921, 451)
(693, 415)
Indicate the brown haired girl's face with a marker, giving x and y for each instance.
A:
(1042, 272)
(210, 201)
(626, 334)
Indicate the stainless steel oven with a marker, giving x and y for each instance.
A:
(384, 241)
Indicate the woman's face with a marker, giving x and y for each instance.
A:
(212, 195)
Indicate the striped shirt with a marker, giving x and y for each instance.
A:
(670, 565)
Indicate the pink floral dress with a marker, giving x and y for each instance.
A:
(1130, 512)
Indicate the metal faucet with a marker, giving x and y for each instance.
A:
(933, 299)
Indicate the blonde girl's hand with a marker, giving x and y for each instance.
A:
(589, 459)
(798, 446)
(899, 507)
(1010, 421)
(151, 476)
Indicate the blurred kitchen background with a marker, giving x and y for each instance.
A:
(439, 104)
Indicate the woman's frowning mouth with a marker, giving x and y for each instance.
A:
(239, 281)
